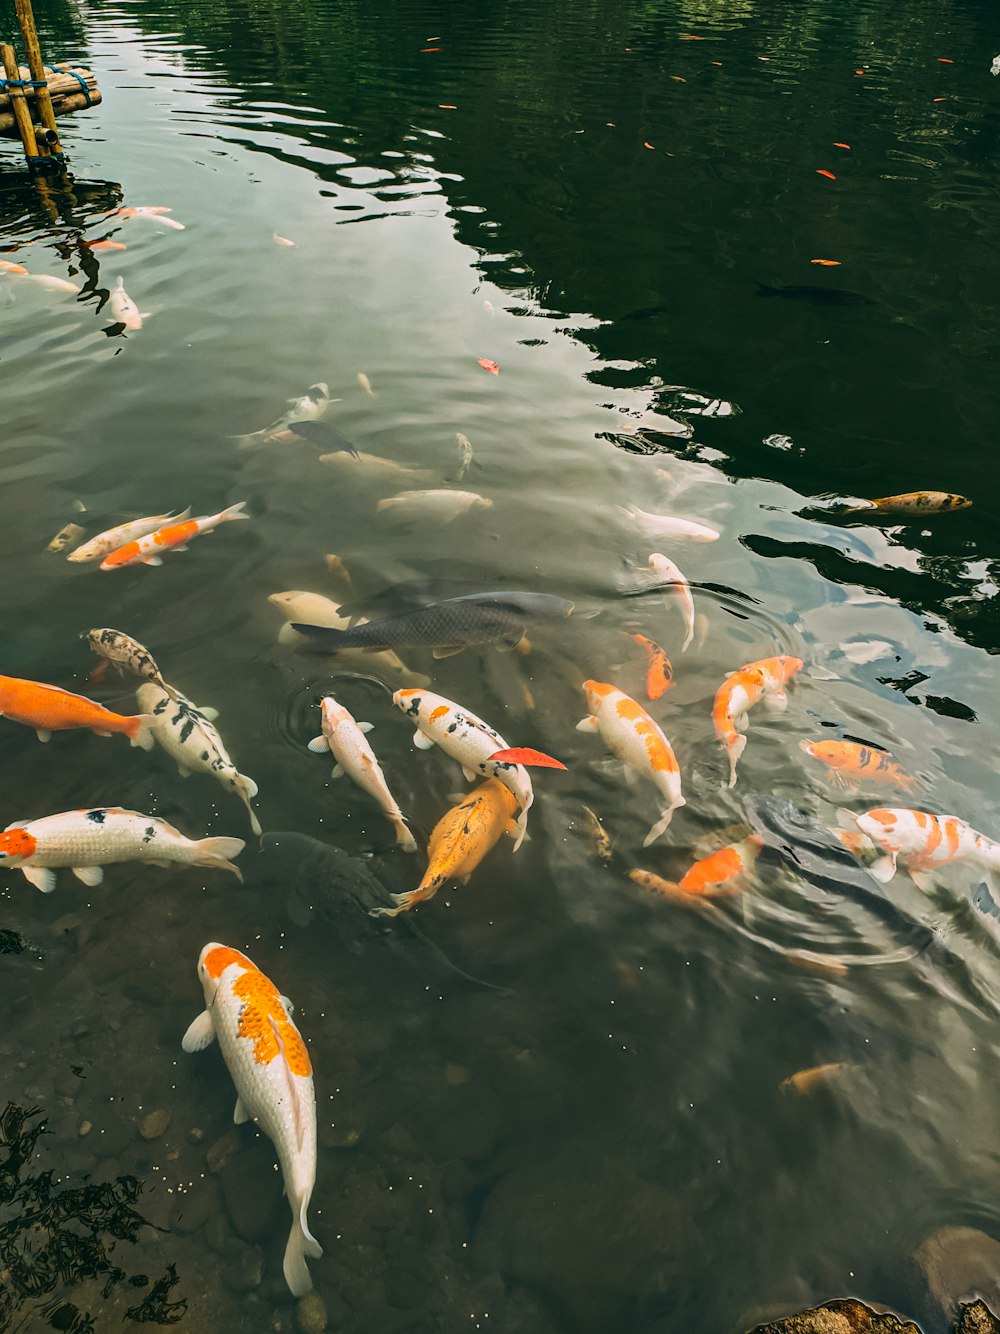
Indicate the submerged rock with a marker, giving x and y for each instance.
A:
(840, 1317)
(977, 1318)
(960, 1262)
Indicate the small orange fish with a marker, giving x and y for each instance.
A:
(424, 49)
(943, 60)
(808, 1081)
(99, 247)
(446, 106)
(828, 174)
(852, 762)
(690, 37)
(847, 146)
(827, 263)
(48, 709)
(650, 146)
(487, 365)
(659, 673)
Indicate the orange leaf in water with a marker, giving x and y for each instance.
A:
(488, 365)
(842, 146)
(828, 174)
(829, 263)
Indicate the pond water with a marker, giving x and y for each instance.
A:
(550, 1100)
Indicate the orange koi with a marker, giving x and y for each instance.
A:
(847, 146)
(828, 263)
(828, 174)
(740, 692)
(146, 550)
(650, 146)
(48, 709)
(716, 873)
(659, 673)
(487, 365)
(852, 762)
(808, 1081)
(7, 266)
(99, 247)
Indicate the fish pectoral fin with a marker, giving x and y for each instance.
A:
(588, 724)
(208, 712)
(883, 868)
(318, 745)
(421, 741)
(741, 722)
(90, 875)
(338, 771)
(200, 1033)
(508, 643)
(446, 650)
(183, 548)
(152, 560)
(366, 727)
(42, 877)
(42, 734)
(470, 775)
(159, 861)
(184, 773)
(778, 701)
(240, 1113)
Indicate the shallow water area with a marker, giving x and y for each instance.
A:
(550, 1100)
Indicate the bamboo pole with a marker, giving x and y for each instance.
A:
(35, 63)
(19, 109)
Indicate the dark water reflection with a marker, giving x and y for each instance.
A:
(550, 1102)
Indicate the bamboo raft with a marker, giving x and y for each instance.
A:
(39, 93)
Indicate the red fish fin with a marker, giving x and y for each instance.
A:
(525, 755)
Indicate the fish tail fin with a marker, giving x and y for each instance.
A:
(527, 756)
(217, 851)
(141, 732)
(237, 511)
(661, 825)
(404, 838)
(247, 789)
(301, 1243)
(735, 746)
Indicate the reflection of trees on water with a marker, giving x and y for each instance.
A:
(53, 1238)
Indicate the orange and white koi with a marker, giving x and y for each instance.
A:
(668, 572)
(269, 1063)
(719, 872)
(665, 525)
(146, 551)
(467, 739)
(8, 266)
(459, 842)
(659, 673)
(853, 763)
(346, 741)
(124, 309)
(924, 842)
(114, 538)
(151, 213)
(743, 689)
(99, 247)
(88, 840)
(48, 709)
(629, 732)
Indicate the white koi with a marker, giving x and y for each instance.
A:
(924, 842)
(88, 840)
(269, 1063)
(664, 525)
(124, 309)
(113, 538)
(441, 506)
(667, 571)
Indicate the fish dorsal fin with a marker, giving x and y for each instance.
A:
(293, 1090)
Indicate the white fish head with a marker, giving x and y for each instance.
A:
(333, 713)
(885, 828)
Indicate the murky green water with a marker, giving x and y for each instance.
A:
(587, 197)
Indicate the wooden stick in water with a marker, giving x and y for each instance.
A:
(35, 63)
(17, 102)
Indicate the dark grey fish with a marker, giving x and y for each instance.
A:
(826, 296)
(409, 595)
(448, 626)
(325, 436)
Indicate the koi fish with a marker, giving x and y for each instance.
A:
(48, 709)
(664, 525)
(70, 532)
(440, 506)
(282, 241)
(346, 741)
(488, 365)
(718, 873)
(669, 889)
(923, 842)
(175, 538)
(914, 502)
(629, 732)
(468, 740)
(269, 1063)
(51, 283)
(816, 1076)
(126, 653)
(310, 407)
(740, 692)
(465, 455)
(448, 626)
(317, 433)
(299, 605)
(852, 763)
(335, 564)
(8, 266)
(659, 673)
(100, 247)
(88, 840)
(679, 586)
(114, 538)
(150, 213)
(600, 841)
(459, 842)
(366, 384)
(124, 309)
(188, 735)
(375, 468)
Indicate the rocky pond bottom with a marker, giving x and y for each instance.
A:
(852, 1317)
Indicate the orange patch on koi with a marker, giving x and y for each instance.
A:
(437, 713)
(263, 1020)
(18, 843)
